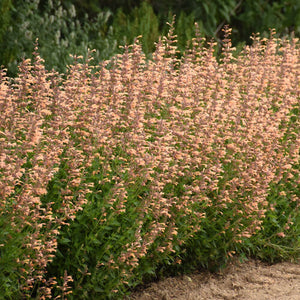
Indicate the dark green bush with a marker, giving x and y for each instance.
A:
(141, 21)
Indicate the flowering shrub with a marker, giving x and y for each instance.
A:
(112, 172)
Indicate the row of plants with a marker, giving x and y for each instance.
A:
(72, 26)
(116, 173)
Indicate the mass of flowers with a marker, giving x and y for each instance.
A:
(110, 170)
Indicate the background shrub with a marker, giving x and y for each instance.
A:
(59, 31)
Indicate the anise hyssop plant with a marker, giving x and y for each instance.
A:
(109, 171)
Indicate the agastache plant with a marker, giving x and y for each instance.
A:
(174, 139)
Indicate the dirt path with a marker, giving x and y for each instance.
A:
(252, 280)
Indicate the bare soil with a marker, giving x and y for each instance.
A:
(248, 280)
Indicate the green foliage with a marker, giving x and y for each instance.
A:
(141, 21)
(5, 17)
(185, 29)
(213, 14)
(6, 8)
(59, 34)
(260, 16)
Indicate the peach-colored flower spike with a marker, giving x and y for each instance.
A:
(171, 120)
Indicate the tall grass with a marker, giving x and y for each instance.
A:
(112, 174)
